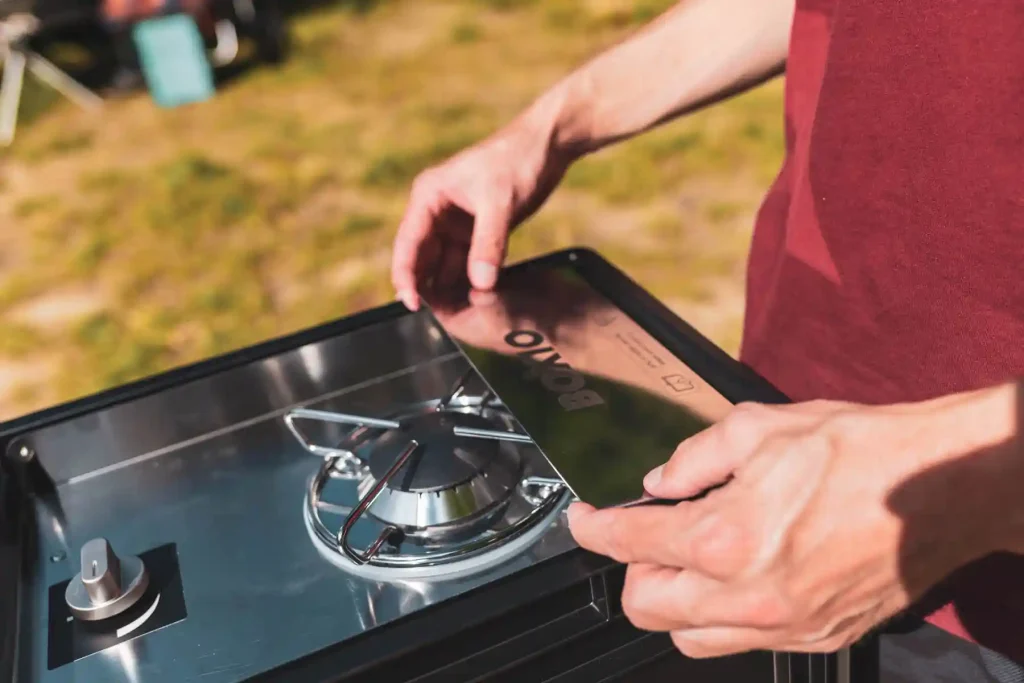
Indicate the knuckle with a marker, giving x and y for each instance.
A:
(831, 644)
(633, 606)
(743, 423)
(749, 408)
(821, 404)
(425, 183)
(500, 194)
(833, 635)
(678, 453)
(630, 598)
(697, 615)
(637, 619)
(491, 242)
(839, 427)
(491, 181)
(619, 540)
(616, 536)
(771, 610)
(819, 442)
(722, 547)
(688, 646)
(678, 464)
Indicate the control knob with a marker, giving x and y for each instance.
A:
(107, 585)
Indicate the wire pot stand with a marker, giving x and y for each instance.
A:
(541, 493)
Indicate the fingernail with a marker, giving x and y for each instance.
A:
(653, 478)
(483, 275)
(408, 300)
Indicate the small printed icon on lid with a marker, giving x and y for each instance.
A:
(678, 383)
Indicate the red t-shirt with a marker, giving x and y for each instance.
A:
(886, 263)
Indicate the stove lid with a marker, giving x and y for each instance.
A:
(603, 399)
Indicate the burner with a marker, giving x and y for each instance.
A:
(443, 460)
(449, 484)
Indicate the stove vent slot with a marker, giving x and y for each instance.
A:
(480, 650)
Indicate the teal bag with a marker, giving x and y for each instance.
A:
(174, 61)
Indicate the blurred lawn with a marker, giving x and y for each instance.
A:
(144, 239)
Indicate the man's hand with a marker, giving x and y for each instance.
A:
(837, 517)
(459, 215)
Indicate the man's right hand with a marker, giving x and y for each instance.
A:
(461, 212)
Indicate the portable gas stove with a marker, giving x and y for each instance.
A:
(350, 503)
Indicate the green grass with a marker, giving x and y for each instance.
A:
(466, 32)
(272, 207)
(33, 206)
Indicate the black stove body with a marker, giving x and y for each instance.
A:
(350, 503)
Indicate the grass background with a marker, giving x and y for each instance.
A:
(141, 239)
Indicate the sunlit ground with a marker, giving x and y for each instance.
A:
(142, 239)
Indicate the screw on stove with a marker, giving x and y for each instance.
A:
(32, 478)
(21, 451)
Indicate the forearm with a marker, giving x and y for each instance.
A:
(970, 459)
(696, 53)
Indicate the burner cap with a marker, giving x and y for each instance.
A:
(443, 460)
(450, 484)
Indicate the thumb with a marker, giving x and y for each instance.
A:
(488, 244)
(699, 463)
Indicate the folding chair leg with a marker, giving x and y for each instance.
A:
(10, 94)
(227, 44)
(62, 83)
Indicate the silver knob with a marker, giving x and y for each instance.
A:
(107, 585)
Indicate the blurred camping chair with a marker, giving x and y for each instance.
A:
(119, 15)
(225, 22)
(262, 21)
(17, 26)
(180, 42)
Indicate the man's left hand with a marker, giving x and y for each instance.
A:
(820, 534)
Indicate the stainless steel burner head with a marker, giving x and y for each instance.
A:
(448, 480)
(451, 484)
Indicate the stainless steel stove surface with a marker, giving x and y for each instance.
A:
(349, 503)
(231, 492)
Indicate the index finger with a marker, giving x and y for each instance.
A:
(413, 232)
(684, 536)
(629, 535)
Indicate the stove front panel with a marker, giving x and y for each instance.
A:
(211, 470)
